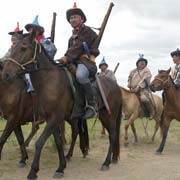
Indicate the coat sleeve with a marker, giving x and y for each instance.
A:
(75, 47)
(145, 79)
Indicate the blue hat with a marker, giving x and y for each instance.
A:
(35, 24)
(103, 62)
(141, 58)
(175, 53)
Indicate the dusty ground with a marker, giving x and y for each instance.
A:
(137, 162)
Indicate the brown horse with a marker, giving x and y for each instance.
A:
(132, 110)
(16, 105)
(163, 81)
(13, 99)
(56, 99)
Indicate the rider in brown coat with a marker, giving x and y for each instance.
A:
(81, 52)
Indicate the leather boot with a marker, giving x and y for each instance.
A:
(90, 108)
(149, 106)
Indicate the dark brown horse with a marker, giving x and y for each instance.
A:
(14, 99)
(16, 105)
(56, 99)
(163, 81)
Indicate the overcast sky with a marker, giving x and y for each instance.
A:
(151, 27)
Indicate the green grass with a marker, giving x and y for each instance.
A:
(95, 133)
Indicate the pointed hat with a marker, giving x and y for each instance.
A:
(74, 11)
(103, 62)
(17, 30)
(35, 24)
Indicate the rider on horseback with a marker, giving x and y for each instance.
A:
(14, 37)
(83, 58)
(138, 82)
(105, 71)
(175, 73)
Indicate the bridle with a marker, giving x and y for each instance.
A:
(164, 83)
(32, 60)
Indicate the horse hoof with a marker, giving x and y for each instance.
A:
(114, 161)
(31, 178)
(68, 158)
(21, 165)
(104, 168)
(158, 152)
(58, 175)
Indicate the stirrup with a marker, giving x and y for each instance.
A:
(93, 110)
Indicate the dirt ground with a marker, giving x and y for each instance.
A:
(137, 162)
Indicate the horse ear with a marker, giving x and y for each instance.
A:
(168, 71)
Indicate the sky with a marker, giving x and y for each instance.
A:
(149, 27)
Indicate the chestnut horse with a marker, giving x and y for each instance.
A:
(132, 110)
(171, 96)
(56, 99)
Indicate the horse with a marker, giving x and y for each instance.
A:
(171, 95)
(132, 110)
(13, 99)
(16, 107)
(56, 99)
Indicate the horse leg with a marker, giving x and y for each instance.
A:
(62, 130)
(164, 128)
(103, 132)
(20, 139)
(134, 132)
(34, 129)
(129, 122)
(6, 133)
(83, 136)
(116, 146)
(48, 130)
(74, 133)
(62, 161)
(155, 130)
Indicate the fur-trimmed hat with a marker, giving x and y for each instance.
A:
(176, 52)
(35, 24)
(17, 30)
(74, 11)
(141, 58)
(103, 62)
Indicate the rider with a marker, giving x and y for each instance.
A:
(105, 71)
(14, 37)
(82, 52)
(47, 44)
(175, 72)
(138, 82)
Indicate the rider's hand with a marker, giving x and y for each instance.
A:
(63, 60)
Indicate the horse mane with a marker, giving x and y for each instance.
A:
(126, 90)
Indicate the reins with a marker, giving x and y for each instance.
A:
(32, 60)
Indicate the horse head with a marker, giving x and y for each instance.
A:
(161, 80)
(22, 57)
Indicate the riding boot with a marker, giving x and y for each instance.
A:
(149, 106)
(90, 108)
(78, 110)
